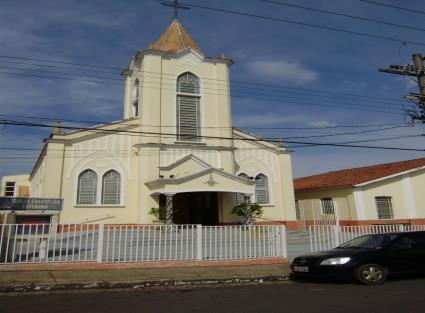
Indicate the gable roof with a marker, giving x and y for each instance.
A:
(175, 39)
(355, 176)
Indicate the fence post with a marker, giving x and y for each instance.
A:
(283, 250)
(99, 256)
(336, 236)
(199, 242)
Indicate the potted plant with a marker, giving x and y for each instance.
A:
(159, 214)
(248, 211)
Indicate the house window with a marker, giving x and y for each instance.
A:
(261, 189)
(327, 206)
(136, 90)
(188, 107)
(111, 187)
(384, 207)
(9, 190)
(240, 196)
(298, 209)
(87, 187)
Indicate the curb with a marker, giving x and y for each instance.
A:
(35, 287)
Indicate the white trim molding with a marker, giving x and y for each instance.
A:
(359, 204)
(409, 196)
(390, 176)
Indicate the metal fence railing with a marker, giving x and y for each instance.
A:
(43, 243)
(325, 237)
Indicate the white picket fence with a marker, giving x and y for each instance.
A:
(44, 243)
(326, 237)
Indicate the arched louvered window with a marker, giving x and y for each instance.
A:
(87, 187)
(135, 96)
(261, 189)
(240, 196)
(188, 107)
(111, 188)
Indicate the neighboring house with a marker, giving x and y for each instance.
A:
(15, 186)
(391, 193)
(174, 148)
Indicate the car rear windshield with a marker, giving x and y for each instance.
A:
(369, 241)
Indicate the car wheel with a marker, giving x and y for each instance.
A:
(370, 274)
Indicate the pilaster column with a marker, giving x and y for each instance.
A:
(169, 209)
(248, 214)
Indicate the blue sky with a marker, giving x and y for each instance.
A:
(265, 52)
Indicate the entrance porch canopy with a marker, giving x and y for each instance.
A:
(208, 180)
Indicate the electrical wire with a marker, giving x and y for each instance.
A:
(173, 135)
(288, 21)
(393, 6)
(360, 18)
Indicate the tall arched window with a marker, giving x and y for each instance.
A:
(135, 97)
(87, 187)
(240, 196)
(188, 107)
(111, 188)
(261, 189)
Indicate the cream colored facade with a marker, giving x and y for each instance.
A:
(151, 160)
(357, 205)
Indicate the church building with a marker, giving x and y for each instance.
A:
(175, 148)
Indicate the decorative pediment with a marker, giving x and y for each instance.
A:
(184, 166)
(189, 57)
(210, 179)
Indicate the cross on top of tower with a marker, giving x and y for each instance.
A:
(176, 6)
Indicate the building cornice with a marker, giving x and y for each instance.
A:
(183, 145)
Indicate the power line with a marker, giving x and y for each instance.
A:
(157, 85)
(378, 102)
(364, 140)
(213, 127)
(173, 135)
(209, 79)
(392, 6)
(281, 20)
(266, 97)
(316, 136)
(360, 18)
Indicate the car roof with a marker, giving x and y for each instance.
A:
(399, 233)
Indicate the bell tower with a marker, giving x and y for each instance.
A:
(175, 90)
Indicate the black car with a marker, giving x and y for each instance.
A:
(368, 259)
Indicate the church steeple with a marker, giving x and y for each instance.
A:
(175, 39)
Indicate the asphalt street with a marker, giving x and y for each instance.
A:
(405, 296)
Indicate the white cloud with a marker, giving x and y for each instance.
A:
(288, 71)
(321, 124)
(265, 120)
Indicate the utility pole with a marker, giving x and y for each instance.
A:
(416, 70)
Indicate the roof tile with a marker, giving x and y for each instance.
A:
(355, 176)
(174, 39)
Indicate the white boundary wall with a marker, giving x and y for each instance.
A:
(325, 237)
(44, 243)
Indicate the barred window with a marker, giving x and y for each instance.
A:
(240, 196)
(188, 107)
(9, 190)
(298, 206)
(384, 207)
(188, 83)
(136, 90)
(111, 188)
(327, 206)
(87, 187)
(261, 189)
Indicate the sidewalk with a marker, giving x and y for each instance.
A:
(28, 280)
